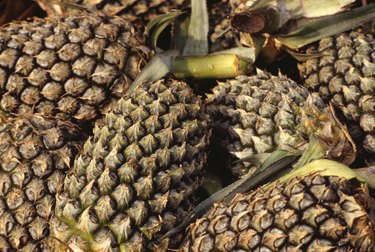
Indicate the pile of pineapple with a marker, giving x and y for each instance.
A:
(257, 136)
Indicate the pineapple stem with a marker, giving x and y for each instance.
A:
(215, 66)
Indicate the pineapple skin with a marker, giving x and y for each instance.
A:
(344, 75)
(310, 213)
(69, 67)
(138, 12)
(141, 12)
(35, 155)
(133, 178)
(257, 114)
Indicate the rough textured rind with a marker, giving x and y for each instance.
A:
(313, 213)
(345, 76)
(257, 114)
(70, 67)
(35, 155)
(133, 177)
(139, 12)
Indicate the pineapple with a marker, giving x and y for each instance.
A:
(344, 74)
(71, 67)
(340, 68)
(138, 12)
(310, 212)
(131, 181)
(35, 154)
(141, 12)
(254, 115)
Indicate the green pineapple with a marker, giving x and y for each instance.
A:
(71, 67)
(35, 155)
(313, 211)
(255, 115)
(133, 178)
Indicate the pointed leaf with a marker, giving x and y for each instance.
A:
(160, 19)
(157, 25)
(180, 32)
(256, 159)
(276, 156)
(326, 168)
(156, 69)
(314, 150)
(197, 43)
(287, 10)
(313, 8)
(300, 57)
(327, 26)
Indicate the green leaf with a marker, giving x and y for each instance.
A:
(180, 32)
(261, 176)
(157, 25)
(314, 8)
(287, 10)
(326, 26)
(325, 167)
(197, 42)
(300, 57)
(157, 68)
(276, 156)
(216, 66)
